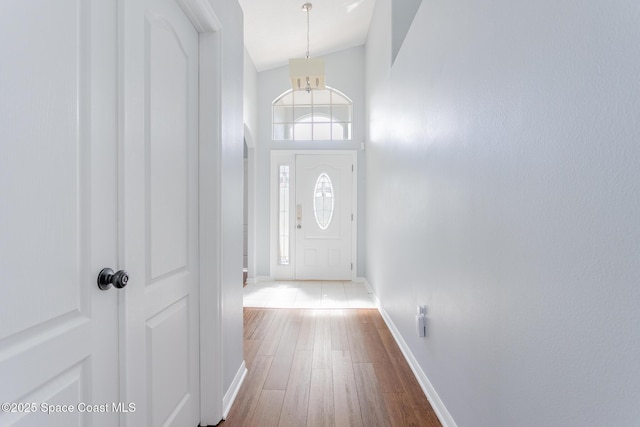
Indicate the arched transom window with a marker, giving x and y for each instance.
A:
(318, 115)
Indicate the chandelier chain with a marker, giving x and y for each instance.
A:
(307, 9)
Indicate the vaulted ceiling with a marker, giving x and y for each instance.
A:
(276, 30)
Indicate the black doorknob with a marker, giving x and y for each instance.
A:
(107, 277)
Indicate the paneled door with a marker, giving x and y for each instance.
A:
(58, 205)
(323, 216)
(160, 214)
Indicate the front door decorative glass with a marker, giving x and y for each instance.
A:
(323, 201)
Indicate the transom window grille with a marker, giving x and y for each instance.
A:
(318, 115)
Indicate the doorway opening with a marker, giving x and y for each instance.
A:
(245, 215)
(313, 215)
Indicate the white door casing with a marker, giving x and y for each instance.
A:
(316, 253)
(160, 228)
(58, 204)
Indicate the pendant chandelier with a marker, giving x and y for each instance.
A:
(306, 73)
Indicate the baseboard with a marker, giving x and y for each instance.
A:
(258, 279)
(367, 285)
(432, 396)
(232, 392)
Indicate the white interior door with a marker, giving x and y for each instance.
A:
(160, 216)
(323, 217)
(58, 331)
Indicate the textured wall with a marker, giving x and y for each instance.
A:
(503, 191)
(250, 135)
(230, 16)
(250, 105)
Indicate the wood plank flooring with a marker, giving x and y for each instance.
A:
(325, 368)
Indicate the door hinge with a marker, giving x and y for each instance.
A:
(351, 168)
(351, 266)
(351, 217)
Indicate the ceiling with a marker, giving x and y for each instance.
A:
(276, 30)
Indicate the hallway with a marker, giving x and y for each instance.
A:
(325, 367)
(308, 294)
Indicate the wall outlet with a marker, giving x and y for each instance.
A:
(421, 325)
(421, 321)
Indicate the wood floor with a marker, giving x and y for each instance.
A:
(325, 368)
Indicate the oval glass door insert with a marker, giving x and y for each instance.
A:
(323, 201)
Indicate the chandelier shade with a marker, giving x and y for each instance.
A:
(306, 73)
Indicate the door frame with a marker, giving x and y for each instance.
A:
(210, 30)
(288, 157)
(251, 205)
(210, 207)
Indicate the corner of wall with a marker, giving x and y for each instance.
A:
(430, 392)
(232, 392)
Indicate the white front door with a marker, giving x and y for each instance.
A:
(323, 213)
(160, 215)
(58, 204)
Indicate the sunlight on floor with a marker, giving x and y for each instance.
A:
(308, 294)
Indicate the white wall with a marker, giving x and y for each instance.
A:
(250, 106)
(503, 191)
(345, 72)
(250, 135)
(231, 18)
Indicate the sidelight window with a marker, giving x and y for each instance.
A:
(283, 216)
